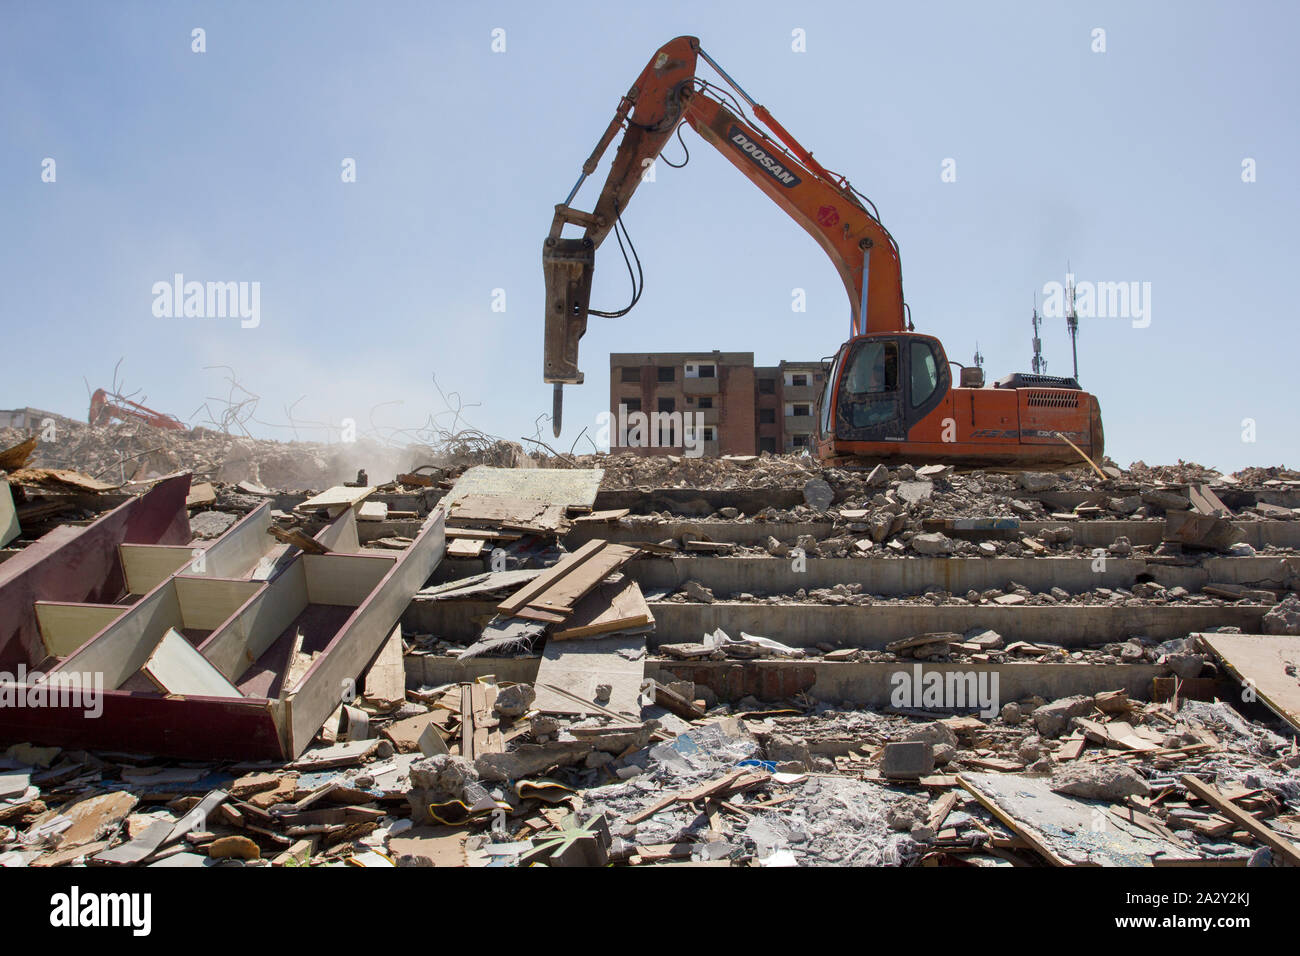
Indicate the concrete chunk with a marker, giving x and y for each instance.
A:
(907, 760)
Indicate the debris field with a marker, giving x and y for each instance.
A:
(227, 652)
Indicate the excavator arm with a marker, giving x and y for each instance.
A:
(666, 94)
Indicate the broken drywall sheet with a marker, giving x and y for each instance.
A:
(554, 486)
(1067, 831)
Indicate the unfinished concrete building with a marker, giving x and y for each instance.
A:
(737, 408)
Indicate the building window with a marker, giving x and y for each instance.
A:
(767, 416)
(799, 441)
(667, 373)
(632, 404)
(800, 410)
(767, 386)
(709, 434)
(708, 371)
(798, 381)
(767, 445)
(706, 402)
(667, 405)
(629, 374)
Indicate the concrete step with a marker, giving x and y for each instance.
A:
(863, 684)
(898, 577)
(806, 625)
(1087, 534)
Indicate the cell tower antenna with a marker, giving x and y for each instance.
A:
(1071, 318)
(1040, 363)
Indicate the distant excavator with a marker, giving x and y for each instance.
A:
(105, 408)
(889, 392)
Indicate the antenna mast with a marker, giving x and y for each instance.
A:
(1040, 363)
(1072, 318)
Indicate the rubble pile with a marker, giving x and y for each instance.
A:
(661, 661)
(122, 453)
(803, 783)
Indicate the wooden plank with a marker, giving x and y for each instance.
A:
(177, 667)
(563, 594)
(674, 702)
(1246, 821)
(546, 617)
(386, 679)
(551, 576)
(465, 548)
(610, 607)
(336, 499)
(484, 583)
(15, 456)
(482, 711)
(741, 778)
(484, 534)
(66, 627)
(608, 516)
(579, 666)
(201, 494)
(59, 476)
(517, 514)
(1261, 661)
(298, 539)
(941, 810)
(467, 736)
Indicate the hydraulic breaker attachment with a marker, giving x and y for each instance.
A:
(567, 264)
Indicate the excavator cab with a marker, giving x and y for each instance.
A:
(880, 385)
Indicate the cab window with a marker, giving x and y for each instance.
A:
(826, 397)
(925, 373)
(874, 369)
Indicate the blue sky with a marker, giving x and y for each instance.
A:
(225, 166)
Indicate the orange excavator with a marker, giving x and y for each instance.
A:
(106, 407)
(889, 393)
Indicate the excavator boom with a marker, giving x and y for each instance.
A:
(667, 93)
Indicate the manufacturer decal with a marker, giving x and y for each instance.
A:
(764, 160)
